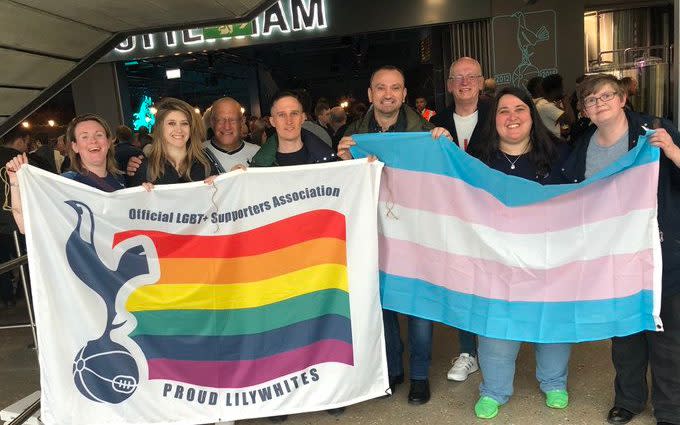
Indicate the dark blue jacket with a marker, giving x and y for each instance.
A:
(668, 193)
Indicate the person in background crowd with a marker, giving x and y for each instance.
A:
(124, 148)
(630, 86)
(551, 106)
(535, 88)
(521, 146)
(258, 132)
(322, 112)
(582, 122)
(421, 107)
(338, 125)
(48, 153)
(489, 88)
(63, 149)
(177, 154)
(389, 113)
(614, 132)
(14, 143)
(308, 124)
(468, 120)
(356, 111)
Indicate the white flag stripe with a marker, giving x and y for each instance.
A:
(620, 235)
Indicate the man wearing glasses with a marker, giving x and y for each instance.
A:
(467, 120)
(468, 117)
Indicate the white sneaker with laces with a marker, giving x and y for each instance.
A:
(463, 365)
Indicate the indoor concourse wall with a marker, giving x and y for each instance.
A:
(537, 39)
(99, 91)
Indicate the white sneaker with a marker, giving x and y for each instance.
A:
(463, 365)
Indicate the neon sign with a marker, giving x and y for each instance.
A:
(144, 117)
(300, 15)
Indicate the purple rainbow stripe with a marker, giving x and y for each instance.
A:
(239, 374)
(599, 201)
(617, 276)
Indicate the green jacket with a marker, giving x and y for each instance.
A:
(317, 149)
(414, 122)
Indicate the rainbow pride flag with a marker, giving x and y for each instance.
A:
(507, 258)
(238, 310)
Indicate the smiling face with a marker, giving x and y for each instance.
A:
(602, 112)
(176, 129)
(387, 91)
(513, 121)
(287, 118)
(226, 123)
(91, 144)
(465, 81)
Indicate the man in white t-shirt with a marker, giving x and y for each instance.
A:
(226, 147)
(467, 119)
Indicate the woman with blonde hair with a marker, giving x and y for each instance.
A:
(176, 153)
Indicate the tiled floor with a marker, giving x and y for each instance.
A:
(590, 387)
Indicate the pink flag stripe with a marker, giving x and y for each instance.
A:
(616, 276)
(444, 195)
(245, 373)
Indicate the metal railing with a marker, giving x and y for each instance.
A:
(20, 263)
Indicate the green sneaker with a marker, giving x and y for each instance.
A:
(486, 408)
(557, 399)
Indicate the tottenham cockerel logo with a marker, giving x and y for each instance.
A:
(103, 370)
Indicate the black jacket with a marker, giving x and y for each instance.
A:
(479, 134)
(668, 193)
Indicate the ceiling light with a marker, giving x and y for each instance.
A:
(173, 73)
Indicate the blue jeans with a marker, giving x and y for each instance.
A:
(467, 341)
(420, 346)
(497, 359)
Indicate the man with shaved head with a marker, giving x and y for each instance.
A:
(227, 146)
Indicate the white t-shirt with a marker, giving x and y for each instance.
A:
(464, 128)
(242, 156)
(549, 113)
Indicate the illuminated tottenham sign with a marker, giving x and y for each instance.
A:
(283, 17)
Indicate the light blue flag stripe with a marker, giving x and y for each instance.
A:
(554, 322)
(418, 152)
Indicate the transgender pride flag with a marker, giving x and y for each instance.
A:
(505, 257)
(238, 310)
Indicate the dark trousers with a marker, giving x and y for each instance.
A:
(419, 341)
(661, 350)
(7, 252)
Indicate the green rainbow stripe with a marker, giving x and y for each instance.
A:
(243, 321)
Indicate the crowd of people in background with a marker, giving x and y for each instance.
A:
(535, 132)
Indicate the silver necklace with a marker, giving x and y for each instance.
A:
(512, 163)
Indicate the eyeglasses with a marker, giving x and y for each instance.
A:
(458, 79)
(230, 121)
(591, 101)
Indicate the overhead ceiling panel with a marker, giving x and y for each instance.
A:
(36, 31)
(26, 69)
(48, 43)
(13, 99)
(130, 15)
